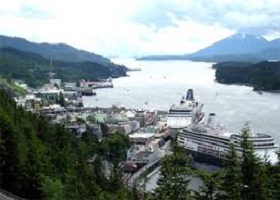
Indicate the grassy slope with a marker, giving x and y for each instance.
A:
(12, 86)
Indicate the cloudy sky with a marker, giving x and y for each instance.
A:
(138, 27)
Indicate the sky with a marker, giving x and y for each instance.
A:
(138, 27)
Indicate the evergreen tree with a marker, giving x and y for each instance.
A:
(52, 189)
(60, 100)
(253, 185)
(273, 179)
(210, 186)
(39, 160)
(173, 183)
(231, 179)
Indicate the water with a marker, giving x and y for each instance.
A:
(162, 83)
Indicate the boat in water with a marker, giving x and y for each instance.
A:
(186, 113)
(88, 92)
(209, 142)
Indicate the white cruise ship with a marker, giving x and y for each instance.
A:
(182, 115)
(209, 143)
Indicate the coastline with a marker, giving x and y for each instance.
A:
(250, 85)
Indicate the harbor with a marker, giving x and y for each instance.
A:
(140, 100)
(147, 130)
(148, 126)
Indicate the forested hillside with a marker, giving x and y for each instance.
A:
(59, 51)
(42, 161)
(11, 88)
(262, 76)
(34, 69)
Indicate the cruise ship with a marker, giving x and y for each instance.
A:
(209, 142)
(187, 112)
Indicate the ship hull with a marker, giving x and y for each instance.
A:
(205, 158)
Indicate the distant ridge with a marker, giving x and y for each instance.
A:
(33, 68)
(238, 47)
(60, 51)
(235, 44)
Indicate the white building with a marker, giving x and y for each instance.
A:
(55, 82)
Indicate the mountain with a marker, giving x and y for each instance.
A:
(275, 43)
(60, 51)
(235, 45)
(238, 47)
(34, 68)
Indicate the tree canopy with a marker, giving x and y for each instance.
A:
(43, 161)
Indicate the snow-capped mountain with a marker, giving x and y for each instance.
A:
(237, 47)
(236, 44)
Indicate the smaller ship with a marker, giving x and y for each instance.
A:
(187, 112)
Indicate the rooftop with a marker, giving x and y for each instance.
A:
(141, 135)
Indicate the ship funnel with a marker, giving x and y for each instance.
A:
(190, 95)
(212, 120)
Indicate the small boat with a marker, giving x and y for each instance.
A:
(88, 92)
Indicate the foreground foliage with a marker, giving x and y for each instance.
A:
(173, 182)
(42, 161)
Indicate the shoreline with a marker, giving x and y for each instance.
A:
(251, 86)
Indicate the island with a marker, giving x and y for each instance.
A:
(263, 76)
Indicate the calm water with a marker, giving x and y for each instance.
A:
(162, 83)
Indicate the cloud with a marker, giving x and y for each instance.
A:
(253, 16)
(159, 13)
(29, 11)
(138, 27)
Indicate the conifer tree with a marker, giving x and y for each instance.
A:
(231, 179)
(273, 179)
(43, 161)
(253, 185)
(210, 186)
(173, 183)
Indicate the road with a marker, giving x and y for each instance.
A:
(4, 195)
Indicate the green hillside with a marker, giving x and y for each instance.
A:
(262, 76)
(58, 51)
(43, 161)
(33, 68)
(11, 87)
